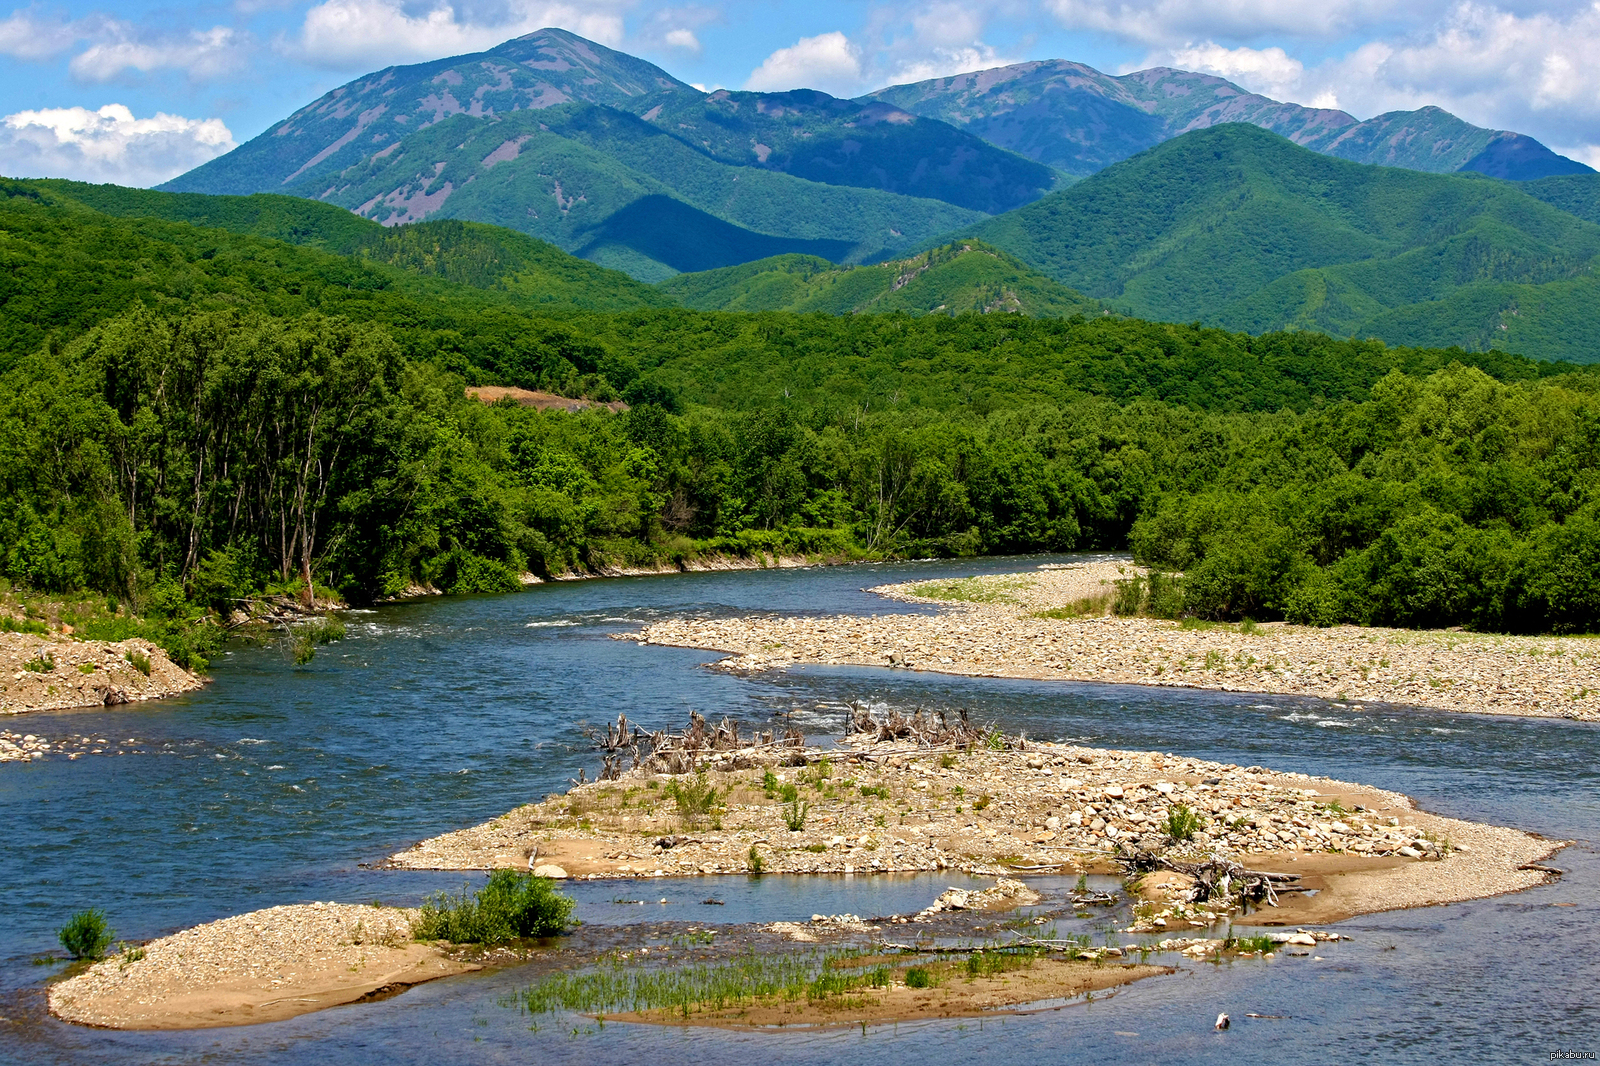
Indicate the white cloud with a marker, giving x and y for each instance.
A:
(682, 38)
(1269, 71)
(1531, 73)
(378, 33)
(202, 54)
(24, 37)
(108, 145)
(1168, 22)
(829, 61)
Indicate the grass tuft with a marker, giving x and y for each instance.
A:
(511, 906)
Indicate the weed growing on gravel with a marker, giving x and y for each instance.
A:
(1182, 823)
(795, 816)
(42, 663)
(140, 661)
(695, 799)
(757, 864)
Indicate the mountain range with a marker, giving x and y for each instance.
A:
(611, 158)
(1080, 121)
(1047, 189)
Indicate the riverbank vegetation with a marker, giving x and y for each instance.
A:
(510, 906)
(194, 416)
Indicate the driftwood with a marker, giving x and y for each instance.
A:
(929, 731)
(1217, 877)
(690, 750)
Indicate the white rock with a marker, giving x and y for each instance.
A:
(550, 870)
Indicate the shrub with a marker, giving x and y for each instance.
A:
(86, 935)
(695, 800)
(1182, 823)
(917, 977)
(757, 865)
(140, 661)
(42, 663)
(795, 816)
(511, 906)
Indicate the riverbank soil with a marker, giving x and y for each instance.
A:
(882, 807)
(47, 673)
(1034, 625)
(263, 966)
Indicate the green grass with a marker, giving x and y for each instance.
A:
(1181, 823)
(1000, 589)
(511, 906)
(694, 798)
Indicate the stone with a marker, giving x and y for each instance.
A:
(550, 870)
(1409, 852)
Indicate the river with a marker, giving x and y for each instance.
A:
(275, 784)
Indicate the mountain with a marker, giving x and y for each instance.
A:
(966, 276)
(1238, 227)
(1079, 120)
(603, 154)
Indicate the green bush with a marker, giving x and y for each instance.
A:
(86, 935)
(695, 799)
(1182, 823)
(917, 977)
(511, 906)
(140, 661)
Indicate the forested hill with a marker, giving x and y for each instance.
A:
(966, 276)
(191, 415)
(1239, 227)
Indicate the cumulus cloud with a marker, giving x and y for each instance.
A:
(375, 33)
(1269, 71)
(120, 47)
(682, 38)
(829, 61)
(108, 145)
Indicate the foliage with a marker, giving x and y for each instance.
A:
(918, 977)
(966, 276)
(1239, 227)
(1182, 823)
(695, 798)
(511, 906)
(757, 863)
(86, 935)
(794, 816)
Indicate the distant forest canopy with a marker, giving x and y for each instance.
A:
(193, 414)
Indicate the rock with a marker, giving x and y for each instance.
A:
(1052, 823)
(550, 870)
(1114, 792)
(1409, 852)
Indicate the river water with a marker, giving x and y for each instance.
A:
(274, 784)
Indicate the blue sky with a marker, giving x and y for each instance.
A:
(138, 91)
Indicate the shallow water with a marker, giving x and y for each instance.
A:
(273, 784)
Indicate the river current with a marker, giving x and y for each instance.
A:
(276, 784)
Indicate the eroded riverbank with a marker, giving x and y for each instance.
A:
(42, 673)
(1011, 633)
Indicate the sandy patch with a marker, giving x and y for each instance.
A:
(258, 967)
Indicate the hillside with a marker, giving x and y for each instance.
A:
(600, 154)
(69, 265)
(1241, 228)
(967, 276)
(1079, 120)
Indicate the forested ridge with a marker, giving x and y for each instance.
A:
(180, 433)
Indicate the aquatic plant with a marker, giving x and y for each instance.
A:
(1245, 945)
(86, 934)
(742, 981)
(511, 906)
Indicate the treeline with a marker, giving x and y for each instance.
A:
(178, 464)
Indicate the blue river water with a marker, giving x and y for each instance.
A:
(275, 784)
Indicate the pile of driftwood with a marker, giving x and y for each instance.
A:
(625, 746)
(1217, 878)
(936, 731)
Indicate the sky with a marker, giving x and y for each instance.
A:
(135, 92)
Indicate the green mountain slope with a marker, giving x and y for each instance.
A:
(467, 253)
(67, 265)
(967, 276)
(1241, 228)
(566, 174)
(1079, 120)
(1576, 194)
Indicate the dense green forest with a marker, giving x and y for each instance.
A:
(192, 415)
